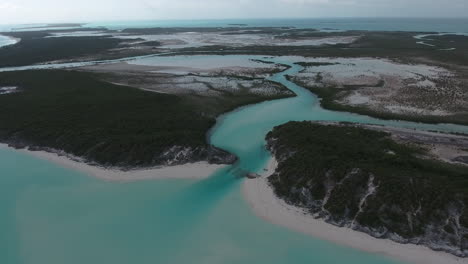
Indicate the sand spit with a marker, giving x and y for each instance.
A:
(8, 40)
(265, 204)
(197, 171)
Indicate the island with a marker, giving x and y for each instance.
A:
(404, 185)
(114, 117)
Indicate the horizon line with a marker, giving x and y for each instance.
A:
(245, 18)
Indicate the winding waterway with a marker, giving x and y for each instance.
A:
(52, 215)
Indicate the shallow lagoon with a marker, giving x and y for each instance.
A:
(6, 41)
(58, 216)
(55, 216)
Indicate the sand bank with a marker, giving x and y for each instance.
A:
(8, 40)
(198, 170)
(268, 206)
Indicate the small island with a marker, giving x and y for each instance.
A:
(388, 183)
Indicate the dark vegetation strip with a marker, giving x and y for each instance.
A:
(35, 47)
(222, 30)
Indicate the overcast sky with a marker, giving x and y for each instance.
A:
(28, 11)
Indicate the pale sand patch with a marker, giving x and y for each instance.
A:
(8, 40)
(408, 89)
(268, 206)
(197, 171)
(448, 153)
(201, 39)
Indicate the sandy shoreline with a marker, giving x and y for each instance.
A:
(13, 40)
(266, 205)
(198, 170)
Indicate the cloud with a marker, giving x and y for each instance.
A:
(8, 6)
(318, 2)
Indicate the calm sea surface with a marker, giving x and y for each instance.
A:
(386, 24)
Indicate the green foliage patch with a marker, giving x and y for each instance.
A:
(351, 157)
(106, 123)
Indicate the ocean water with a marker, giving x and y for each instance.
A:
(326, 24)
(384, 24)
(52, 215)
(30, 27)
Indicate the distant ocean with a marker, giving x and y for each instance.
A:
(459, 25)
(384, 24)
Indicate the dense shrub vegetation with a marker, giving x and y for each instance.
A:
(109, 124)
(36, 47)
(330, 169)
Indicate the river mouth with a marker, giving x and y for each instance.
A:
(61, 216)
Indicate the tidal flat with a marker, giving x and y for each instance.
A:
(388, 89)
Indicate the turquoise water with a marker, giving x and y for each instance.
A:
(56, 216)
(380, 24)
(384, 24)
(53, 215)
(5, 41)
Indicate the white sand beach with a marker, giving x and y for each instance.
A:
(198, 170)
(268, 206)
(8, 40)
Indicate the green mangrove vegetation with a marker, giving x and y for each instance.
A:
(102, 122)
(36, 47)
(361, 178)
